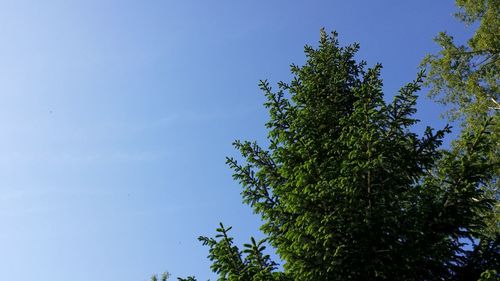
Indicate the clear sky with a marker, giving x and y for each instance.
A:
(116, 117)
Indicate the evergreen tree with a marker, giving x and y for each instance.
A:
(346, 190)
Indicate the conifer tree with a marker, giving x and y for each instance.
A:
(346, 190)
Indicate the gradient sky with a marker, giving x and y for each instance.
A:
(116, 117)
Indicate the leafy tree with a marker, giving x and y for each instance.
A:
(346, 191)
(465, 78)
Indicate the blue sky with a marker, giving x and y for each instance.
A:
(116, 117)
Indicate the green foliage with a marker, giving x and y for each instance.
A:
(231, 264)
(164, 277)
(489, 275)
(190, 278)
(465, 77)
(346, 191)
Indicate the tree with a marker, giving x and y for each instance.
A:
(465, 78)
(346, 190)
(164, 277)
(229, 263)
